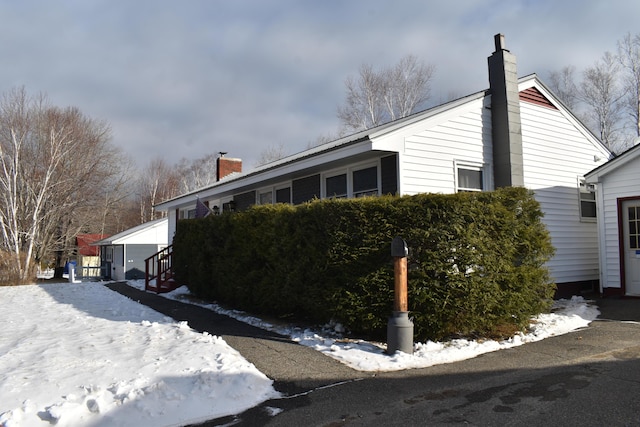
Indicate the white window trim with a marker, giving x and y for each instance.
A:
(265, 190)
(584, 188)
(331, 174)
(477, 166)
(378, 176)
(273, 189)
(349, 172)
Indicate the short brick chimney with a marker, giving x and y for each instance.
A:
(226, 166)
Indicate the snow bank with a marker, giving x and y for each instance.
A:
(566, 316)
(81, 354)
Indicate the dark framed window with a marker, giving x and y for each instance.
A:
(283, 195)
(305, 189)
(365, 182)
(336, 186)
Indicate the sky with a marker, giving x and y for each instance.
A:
(185, 79)
(92, 357)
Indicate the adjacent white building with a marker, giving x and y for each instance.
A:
(617, 186)
(123, 255)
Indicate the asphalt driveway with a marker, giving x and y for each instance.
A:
(589, 377)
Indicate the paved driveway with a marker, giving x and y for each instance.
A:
(589, 377)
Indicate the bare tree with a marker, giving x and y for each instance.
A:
(563, 83)
(629, 56)
(602, 94)
(364, 105)
(407, 86)
(52, 163)
(271, 154)
(158, 181)
(374, 98)
(197, 173)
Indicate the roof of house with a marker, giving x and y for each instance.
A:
(125, 235)
(613, 164)
(84, 244)
(363, 140)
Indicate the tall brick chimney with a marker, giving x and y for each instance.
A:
(226, 166)
(505, 117)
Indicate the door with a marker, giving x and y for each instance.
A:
(631, 244)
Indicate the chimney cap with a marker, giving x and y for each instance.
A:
(499, 41)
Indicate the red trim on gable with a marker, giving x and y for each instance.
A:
(534, 96)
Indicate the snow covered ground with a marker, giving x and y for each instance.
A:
(80, 355)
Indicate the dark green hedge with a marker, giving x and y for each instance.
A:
(476, 261)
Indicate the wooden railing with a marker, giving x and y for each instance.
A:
(159, 271)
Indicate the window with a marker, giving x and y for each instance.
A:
(365, 182)
(266, 198)
(634, 227)
(283, 195)
(356, 181)
(587, 200)
(469, 178)
(336, 186)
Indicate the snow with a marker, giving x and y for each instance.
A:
(566, 316)
(83, 355)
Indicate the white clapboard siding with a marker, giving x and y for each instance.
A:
(555, 154)
(428, 161)
(621, 182)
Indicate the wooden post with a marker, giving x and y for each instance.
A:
(400, 282)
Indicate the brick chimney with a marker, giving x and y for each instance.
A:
(226, 166)
(505, 117)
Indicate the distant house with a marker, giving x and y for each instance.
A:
(123, 255)
(617, 187)
(516, 133)
(88, 255)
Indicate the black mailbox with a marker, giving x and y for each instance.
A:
(399, 248)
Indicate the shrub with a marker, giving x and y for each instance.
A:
(476, 261)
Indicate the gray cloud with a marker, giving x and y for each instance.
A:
(185, 79)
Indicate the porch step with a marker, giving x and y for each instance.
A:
(166, 286)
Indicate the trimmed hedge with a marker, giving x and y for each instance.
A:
(476, 261)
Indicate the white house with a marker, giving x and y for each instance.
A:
(515, 133)
(123, 255)
(617, 187)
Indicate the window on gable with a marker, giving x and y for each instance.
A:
(365, 182)
(336, 186)
(587, 200)
(469, 178)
